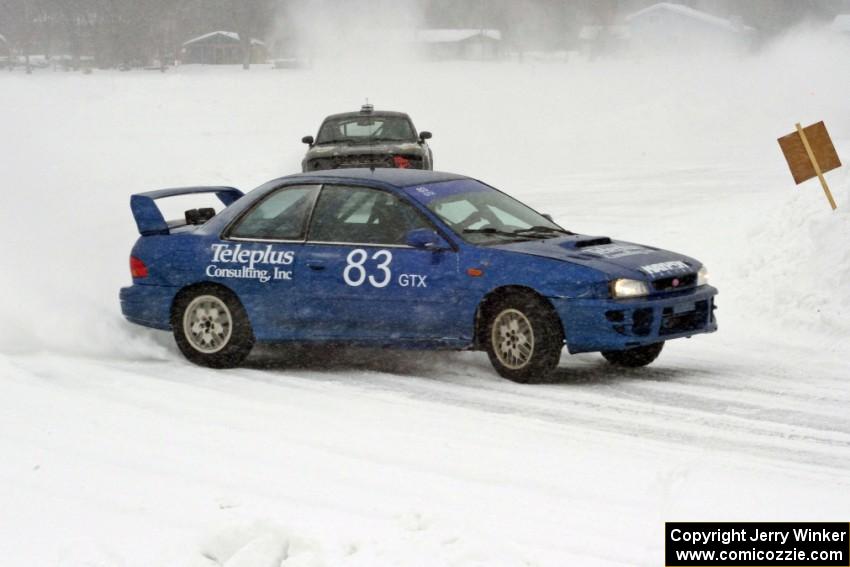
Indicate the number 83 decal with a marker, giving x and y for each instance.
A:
(355, 270)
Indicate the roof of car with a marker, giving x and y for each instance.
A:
(358, 113)
(383, 175)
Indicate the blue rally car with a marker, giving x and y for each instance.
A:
(408, 259)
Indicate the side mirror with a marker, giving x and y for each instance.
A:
(548, 217)
(307, 140)
(424, 135)
(425, 239)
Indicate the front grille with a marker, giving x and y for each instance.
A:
(360, 160)
(365, 160)
(691, 320)
(675, 283)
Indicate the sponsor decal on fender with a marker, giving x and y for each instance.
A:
(262, 264)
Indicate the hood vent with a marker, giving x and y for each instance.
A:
(593, 242)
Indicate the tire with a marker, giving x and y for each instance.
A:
(211, 327)
(634, 357)
(523, 338)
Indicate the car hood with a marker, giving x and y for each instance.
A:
(337, 150)
(616, 258)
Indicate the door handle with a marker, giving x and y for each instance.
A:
(315, 265)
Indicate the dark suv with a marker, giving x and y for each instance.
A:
(369, 138)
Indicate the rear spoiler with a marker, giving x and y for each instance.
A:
(149, 218)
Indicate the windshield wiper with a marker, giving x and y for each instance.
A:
(540, 228)
(491, 230)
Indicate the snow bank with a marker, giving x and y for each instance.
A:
(795, 268)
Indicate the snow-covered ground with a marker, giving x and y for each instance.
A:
(114, 451)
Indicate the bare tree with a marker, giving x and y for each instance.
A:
(248, 17)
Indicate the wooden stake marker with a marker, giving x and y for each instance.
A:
(810, 153)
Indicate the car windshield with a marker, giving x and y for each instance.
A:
(491, 217)
(366, 129)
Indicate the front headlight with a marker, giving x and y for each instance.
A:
(629, 288)
(702, 276)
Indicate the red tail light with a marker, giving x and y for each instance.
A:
(138, 268)
(401, 162)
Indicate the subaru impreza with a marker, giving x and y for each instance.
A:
(405, 259)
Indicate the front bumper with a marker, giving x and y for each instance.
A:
(148, 305)
(615, 324)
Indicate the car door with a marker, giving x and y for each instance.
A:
(261, 257)
(365, 281)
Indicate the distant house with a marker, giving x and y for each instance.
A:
(476, 44)
(673, 27)
(221, 48)
(597, 39)
(841, 24)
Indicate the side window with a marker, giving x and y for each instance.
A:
(281, 216)
(360, 215)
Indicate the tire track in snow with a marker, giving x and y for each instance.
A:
(741, 407)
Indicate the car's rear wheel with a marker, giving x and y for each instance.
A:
(211, 327)
(523, 338)
(634, 357)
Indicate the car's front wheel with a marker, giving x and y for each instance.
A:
(524, 338)
(634, 357)
(211, 327)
